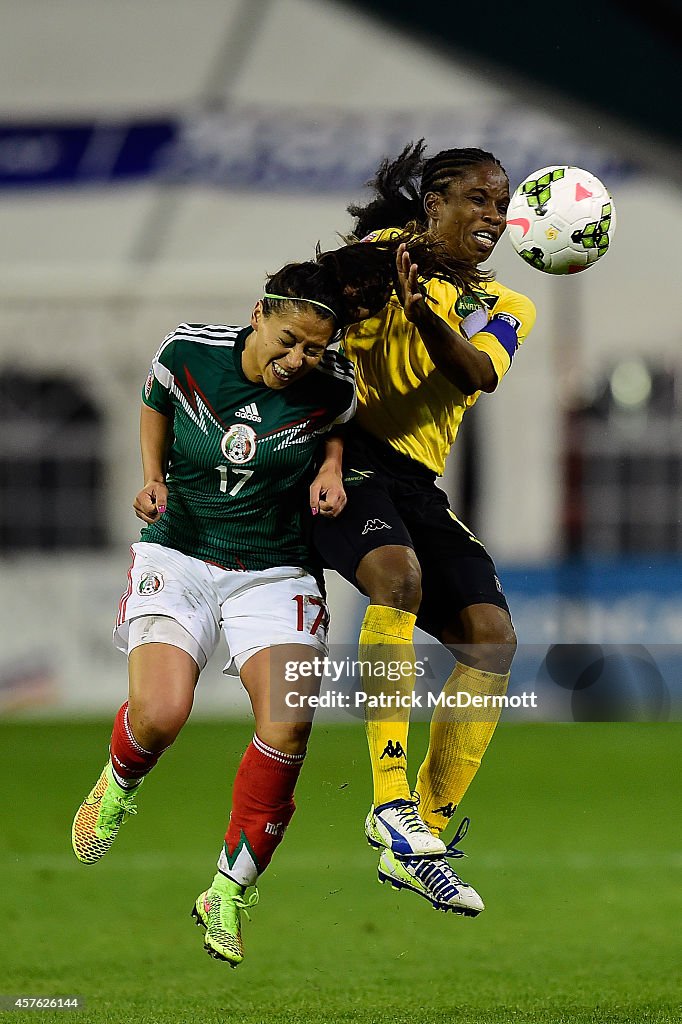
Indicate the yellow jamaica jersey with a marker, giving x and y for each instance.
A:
(402, 398)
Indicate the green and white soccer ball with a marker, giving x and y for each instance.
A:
(561, 220)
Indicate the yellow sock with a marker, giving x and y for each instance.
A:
(385, 638)
(458, 740)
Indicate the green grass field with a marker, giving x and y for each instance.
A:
(572, 845)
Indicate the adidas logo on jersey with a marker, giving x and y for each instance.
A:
(249, 412)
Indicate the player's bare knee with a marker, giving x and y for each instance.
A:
(401, 591)
(289, 737)
(490, 637)
(297, 737)
(391, 576)
(156, 727)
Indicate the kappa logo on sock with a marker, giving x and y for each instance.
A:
(447, 810)
(375, 524)
(393, 751)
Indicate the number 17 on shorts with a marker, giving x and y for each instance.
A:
(312, 616)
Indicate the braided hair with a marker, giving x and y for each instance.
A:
(351, 282)
(400, 187)
(341, 285)
(439, 170)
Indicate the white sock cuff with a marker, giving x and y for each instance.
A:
(277, 755)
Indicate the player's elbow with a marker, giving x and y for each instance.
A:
(490, 384)
(481, 379)
(483, 375)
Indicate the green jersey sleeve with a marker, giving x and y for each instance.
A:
(156, 392)
(339, 374)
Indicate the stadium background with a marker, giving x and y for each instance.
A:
(156, 160)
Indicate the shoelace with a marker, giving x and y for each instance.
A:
(451, 850)
(438, 876)
(409, 817)
(115, 807)
(243, 904)
(437, 873)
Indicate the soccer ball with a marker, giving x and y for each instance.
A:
(561, 220)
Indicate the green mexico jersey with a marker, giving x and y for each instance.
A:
(242, 453)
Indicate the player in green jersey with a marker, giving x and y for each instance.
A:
(231, 425)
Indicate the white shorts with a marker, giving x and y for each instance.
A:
(254, 610)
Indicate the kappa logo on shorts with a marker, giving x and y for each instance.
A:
(239, 443)
(375, 524)
(498, 585)
(150, 583)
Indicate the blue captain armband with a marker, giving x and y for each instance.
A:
(504, 327)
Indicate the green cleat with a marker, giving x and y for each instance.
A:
(218, 910)
(100, 816)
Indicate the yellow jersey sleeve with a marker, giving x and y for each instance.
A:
(495, 319)
(510, 323)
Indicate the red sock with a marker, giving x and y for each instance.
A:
(129, 761)
(262, 807)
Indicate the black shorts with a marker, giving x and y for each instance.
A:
(394, 500)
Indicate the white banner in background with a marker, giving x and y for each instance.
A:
(56, 653)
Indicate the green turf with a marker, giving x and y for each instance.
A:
(573, 846)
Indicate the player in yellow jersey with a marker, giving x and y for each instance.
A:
(420, 364)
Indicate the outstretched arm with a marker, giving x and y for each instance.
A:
(150, 503)
(457, 359)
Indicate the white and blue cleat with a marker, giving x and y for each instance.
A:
(397, 826)
(433, 879)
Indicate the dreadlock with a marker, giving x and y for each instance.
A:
(340, 285)
(346, 284)
(366, 272)
(397, 201)
(400, 187)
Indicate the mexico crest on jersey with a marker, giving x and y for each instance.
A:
(239, 443)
